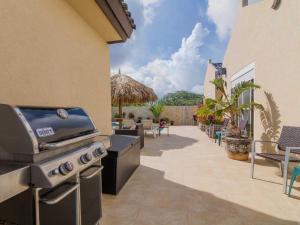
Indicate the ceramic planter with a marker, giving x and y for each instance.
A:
(238, 148)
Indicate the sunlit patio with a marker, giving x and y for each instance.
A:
(184, 179)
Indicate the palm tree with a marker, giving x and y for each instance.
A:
(227, 105)
(157, 109)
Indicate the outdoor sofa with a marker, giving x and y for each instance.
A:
(137, 131)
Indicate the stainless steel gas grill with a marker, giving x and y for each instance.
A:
(58, 154)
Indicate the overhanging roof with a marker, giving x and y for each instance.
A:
(110, 18)
(117, 13)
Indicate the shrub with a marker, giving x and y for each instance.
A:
(131, 115)
(167, 120)
(116, 115)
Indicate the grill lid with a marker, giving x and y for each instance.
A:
(57, 124)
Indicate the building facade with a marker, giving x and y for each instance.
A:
(55, 53)
(213, 71)
(264, 48)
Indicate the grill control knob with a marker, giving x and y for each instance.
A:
(65, 168)
(99, 151)
(86, 158)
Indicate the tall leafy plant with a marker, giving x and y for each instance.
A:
(157, 109)
(206, 113)
(227, 104)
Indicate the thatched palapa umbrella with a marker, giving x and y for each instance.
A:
(125, 89)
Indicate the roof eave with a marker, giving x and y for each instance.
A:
(118, 15)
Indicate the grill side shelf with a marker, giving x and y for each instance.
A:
(14, 179)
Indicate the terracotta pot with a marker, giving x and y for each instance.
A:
(119, 119)
(238, 156)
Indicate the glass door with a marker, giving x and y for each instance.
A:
(245, 98)
(245, 74)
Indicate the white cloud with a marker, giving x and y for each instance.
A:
(182, 71)
(149, 7)
(223, 14)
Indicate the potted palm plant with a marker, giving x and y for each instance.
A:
(237, 146)
(156, 110)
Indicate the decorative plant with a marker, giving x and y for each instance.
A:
(117, 115)
(131, 115)
(167, 120)
(157, 109)
(227, 105)
(207, 115)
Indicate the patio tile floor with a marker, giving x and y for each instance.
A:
(186, 179)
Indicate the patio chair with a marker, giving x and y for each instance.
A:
(163, 125)
(218, 131)
(289, 141)
(115, 125)
(150, 127)
(295, 173)
(138, 131)
(225, 132)
(128, 123)
(242, 127)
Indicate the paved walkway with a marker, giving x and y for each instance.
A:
(185, 179)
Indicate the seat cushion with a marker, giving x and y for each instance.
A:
(277, 157)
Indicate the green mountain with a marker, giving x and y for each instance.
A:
(180, 98)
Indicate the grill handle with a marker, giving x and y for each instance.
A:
(57, 199)
(60, 144)
(86, 177)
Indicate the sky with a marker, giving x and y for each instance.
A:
(173, 41)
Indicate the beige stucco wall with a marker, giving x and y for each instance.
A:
(50, 56)
(181, 115)
(209, 88)
(271, 39)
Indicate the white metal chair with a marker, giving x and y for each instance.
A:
(128, 123)
(150, 127)
(242, 127)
